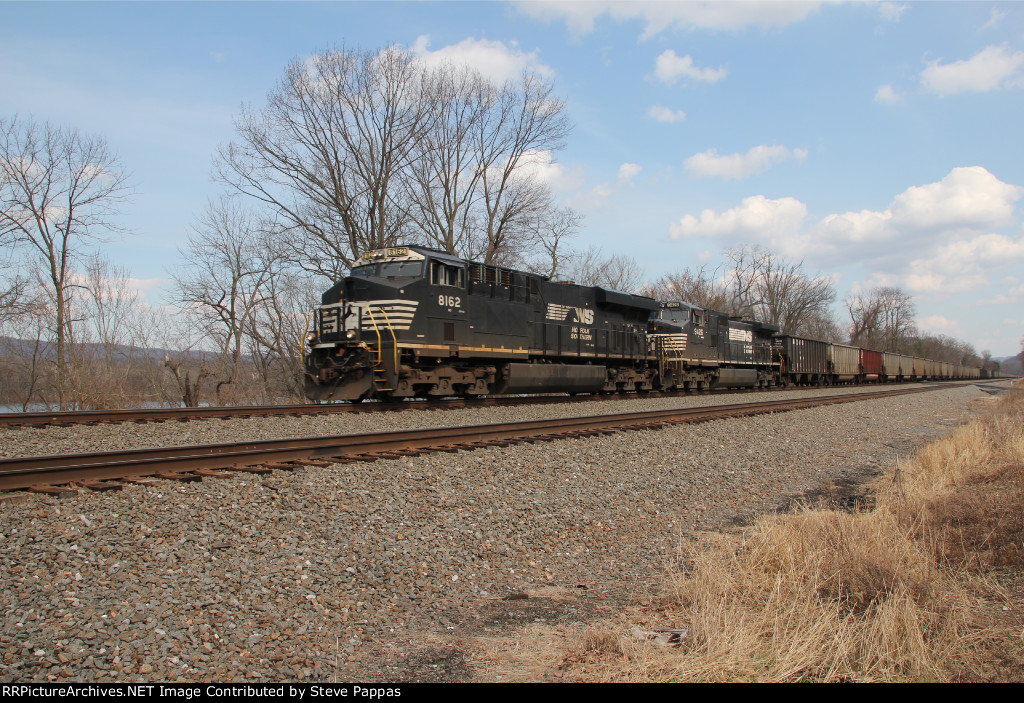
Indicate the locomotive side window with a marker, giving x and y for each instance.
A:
(445, 275)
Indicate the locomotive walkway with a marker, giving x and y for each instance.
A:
(104, 470)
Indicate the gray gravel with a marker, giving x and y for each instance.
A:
(42, 441)
(320, 574)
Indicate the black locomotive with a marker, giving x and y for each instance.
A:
(411, 321)
(415, 322)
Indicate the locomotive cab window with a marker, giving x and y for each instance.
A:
(442, 274)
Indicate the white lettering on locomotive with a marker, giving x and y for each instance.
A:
(736, 335)
(560, 313)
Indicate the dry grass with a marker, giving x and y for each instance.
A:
(903, 592)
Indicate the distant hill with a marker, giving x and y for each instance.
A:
(1010, 365)
(21, 347)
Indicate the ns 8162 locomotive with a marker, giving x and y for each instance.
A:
(416, 322)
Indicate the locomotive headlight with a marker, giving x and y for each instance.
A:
(350, 334)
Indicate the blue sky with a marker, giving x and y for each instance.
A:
(879, 142)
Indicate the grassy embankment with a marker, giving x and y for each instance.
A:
(926, 585)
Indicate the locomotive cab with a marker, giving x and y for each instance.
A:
(353, 351)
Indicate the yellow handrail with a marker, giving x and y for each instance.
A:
(394, 339)
(391, 329)
(376, 329)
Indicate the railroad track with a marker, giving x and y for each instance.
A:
(143, 415)
(110, 470)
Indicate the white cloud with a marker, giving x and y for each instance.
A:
(541, 165)
(756, 217)
(886, 94)
(738, 166)
(669, 68)
(933, 239)
(892, 11)
(1011, 291)
(581, 17)
(990, 69)
(494, 59)
(595, 199)
(995, 18)
(628, 170)
(969, 197)
(664, 114)
(967, 201)
(966, 265)
(144, 285)
(940, 324)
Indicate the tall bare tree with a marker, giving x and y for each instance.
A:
(104, 362)
(770, 289)
(592, 267)
(228, 268)
(59, 190)
(25, 343)
(550, 235)
(882, 318)
(277, 333)
(701, 286)
(329, 153)
(446, 169)
(526, 121)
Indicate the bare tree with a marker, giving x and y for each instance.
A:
(823, 326)
(329, 153)
(447, 167)
(701, 286)
(228, 267)
(277, 334)
(172, 360)
(865, 315)
(12, 287)
(592, 268)
(882, 317)
(59, 189)
(527, 120)
(25, 343)
(475, 193)
(550, 234)
(103, 368)
(943, 348)
(770, 289)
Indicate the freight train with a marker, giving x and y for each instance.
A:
(416, 322)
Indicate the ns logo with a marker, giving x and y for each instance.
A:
(568, 313)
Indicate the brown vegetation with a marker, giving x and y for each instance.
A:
(926, 586)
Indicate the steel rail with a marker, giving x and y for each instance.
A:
(89, 417)
(26, 472)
